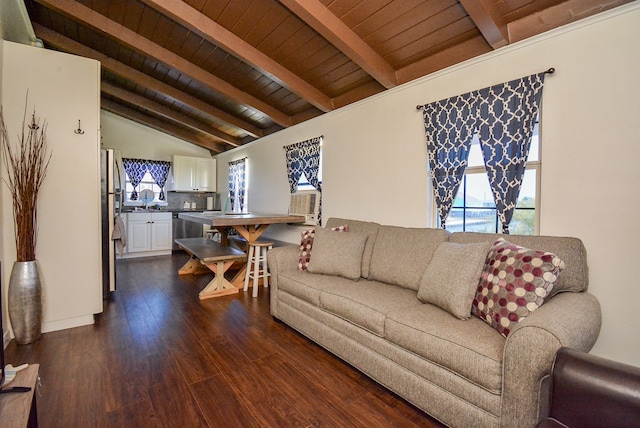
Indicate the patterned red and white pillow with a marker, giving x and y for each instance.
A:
(515, 281)
(307, 243)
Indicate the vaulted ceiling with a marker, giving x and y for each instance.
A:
(221, 73)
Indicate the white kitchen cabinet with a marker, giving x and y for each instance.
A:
(192, 174)
(161, 231)
(205, 175)
(148, 232)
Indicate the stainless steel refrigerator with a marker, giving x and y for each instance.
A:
(110, 183)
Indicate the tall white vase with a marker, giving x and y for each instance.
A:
(25, 302)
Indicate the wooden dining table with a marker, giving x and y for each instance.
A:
(248, 225)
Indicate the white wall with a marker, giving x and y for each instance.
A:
(5, 315)
(375, 156)
(141, 142)
(63, 89)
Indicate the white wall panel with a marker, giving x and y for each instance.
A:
(63, 89)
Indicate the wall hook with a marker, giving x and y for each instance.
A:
(78, 131)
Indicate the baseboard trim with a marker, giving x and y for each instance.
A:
(67, 323)
(54, 326)
(144, 254)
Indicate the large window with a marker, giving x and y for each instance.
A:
(474, 209)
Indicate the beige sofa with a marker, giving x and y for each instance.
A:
(463, 372)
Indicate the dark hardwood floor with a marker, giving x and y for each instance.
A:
(159, 357)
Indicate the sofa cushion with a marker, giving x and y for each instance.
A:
(364, 227)
(469, 348)
(366, 303)
(337, 253)
(574, 278)
(308, 286)
(401, 254)
(451, 279)
(306, 244)
(515, 282)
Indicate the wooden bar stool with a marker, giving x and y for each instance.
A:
(257, 256)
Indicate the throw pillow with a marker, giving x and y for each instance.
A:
(307, 243)
(337, 253)
(515, 281)
(451, 278)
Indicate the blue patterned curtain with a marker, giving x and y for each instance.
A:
(304, 158)
(237, 184)
(159, 170)
(449, 127)
(135, 169)
(506, 117)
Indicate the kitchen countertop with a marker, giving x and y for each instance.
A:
(162, 210)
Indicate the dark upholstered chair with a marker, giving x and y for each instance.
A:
(590, 391)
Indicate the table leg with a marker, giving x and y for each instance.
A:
(193, 266)
(219, 286)
(251, 232)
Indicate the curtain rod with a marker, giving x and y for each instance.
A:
(551, 70)
(303, 141)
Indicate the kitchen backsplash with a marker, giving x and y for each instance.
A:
(176, 200)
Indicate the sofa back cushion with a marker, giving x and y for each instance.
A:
(401, 254)
(337, 253)
(367, 228)
(451, 279)
(575, 276)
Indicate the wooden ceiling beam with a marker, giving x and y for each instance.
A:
(166, 112)
(161, 126)
(489, 21)
(215, 33)
(556, 16)
(65, 44)
(446, 58)
(84, 15)
(321, 19)
(358, 93)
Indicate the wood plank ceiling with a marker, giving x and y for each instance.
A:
(221, 73)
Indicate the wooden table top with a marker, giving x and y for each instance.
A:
(15, 408)
(219, 219)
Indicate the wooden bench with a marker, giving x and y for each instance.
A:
(216, 258)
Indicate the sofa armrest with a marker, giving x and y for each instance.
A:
(567, 319)
(591, 391)
(280, 259)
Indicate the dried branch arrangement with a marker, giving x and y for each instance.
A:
(26, 167)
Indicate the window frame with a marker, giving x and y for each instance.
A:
(532, 165)
(303, 183)
(236, 200)
(137, 203)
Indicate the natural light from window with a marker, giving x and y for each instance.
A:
(474, 209)
(147, 183)
(303, 183)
